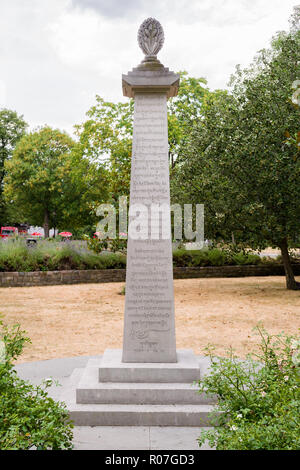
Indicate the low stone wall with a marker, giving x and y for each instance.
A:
(48, 278)
(233, 271)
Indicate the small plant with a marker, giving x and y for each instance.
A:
(29, 418)
(103, 244)
(96, 245)
(122, 291)
(258, 404)
(118, 245)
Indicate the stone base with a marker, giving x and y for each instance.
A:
(113, 393)
(185, 370)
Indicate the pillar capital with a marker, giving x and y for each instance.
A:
(159, 80)
(150, 76)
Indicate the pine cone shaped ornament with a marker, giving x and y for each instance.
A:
(151, 37)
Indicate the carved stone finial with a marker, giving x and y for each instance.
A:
(151, 37)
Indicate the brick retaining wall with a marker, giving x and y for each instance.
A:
(41, 278)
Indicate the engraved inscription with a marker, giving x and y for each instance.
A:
(149, 330)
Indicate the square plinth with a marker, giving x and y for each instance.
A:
(185, 370)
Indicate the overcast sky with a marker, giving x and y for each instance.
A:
(56, 55)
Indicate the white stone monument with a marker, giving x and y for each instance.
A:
(149, 383)
(149, 324)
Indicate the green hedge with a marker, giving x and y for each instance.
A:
(55, 256)
(214, 257)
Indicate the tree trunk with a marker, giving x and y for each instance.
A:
(46, 223)
(291, 283)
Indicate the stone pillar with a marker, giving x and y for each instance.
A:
(149, 323)
(148, 383)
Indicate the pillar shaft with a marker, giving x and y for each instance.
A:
(149, 326)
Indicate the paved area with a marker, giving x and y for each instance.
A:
(108, 437)
(136, 438)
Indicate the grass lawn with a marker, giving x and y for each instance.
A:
(85, 319)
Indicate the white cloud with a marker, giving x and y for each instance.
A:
(57, 54)
(2, 94)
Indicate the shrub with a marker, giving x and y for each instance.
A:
(12, 255)
(200, 258)
(246, 259)
(29, 418)
(213, 257)
(54, 256)
(57, 256)
(99, 245)
(259, 398)
(217, 257)
(182, 258)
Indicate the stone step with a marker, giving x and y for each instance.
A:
(140, 415)
(90, 391)
(185, 370)
(132, 414)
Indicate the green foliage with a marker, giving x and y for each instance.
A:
(29, 418)
(54, 256)
(51, 255)
(216, 257)
(48, 183)
(97, 245)
(184, 110)
(258, 400)
(236, 160)
(123, 291)
(213, 257)
(38, 176)
(106, 136)
(12, 128)
(246, 259)
(117, 245)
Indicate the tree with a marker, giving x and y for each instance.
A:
(106, 136)
(37, 176)
(89, 183)
(295, 19)
(12, 128)
(106, 139)
(183, 112)
(237, 160)
(48, 183)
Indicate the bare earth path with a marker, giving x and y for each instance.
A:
(85, 319)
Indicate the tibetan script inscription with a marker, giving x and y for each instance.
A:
(149, 326)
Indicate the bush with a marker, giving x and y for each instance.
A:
(57, 256)
(29, 418)
(182, 258)
(54, 256)
(259, 399)
(99, 245)
(213, 257)
(246, 259)
(217, 257)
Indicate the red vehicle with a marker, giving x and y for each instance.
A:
(7, 232)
